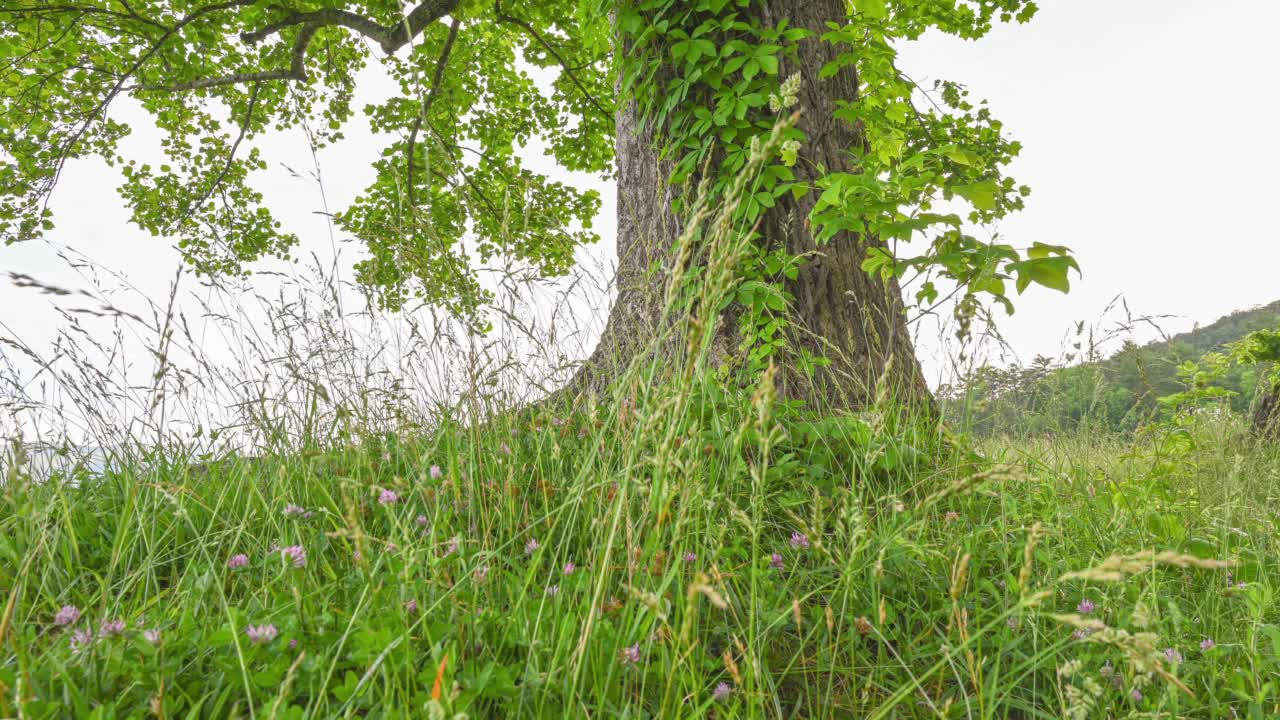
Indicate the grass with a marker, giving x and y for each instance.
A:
(844, 567)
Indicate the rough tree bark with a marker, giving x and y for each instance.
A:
(1266, 416)
(855, 320)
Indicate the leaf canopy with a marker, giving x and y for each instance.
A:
(216, 75)
(450, 183)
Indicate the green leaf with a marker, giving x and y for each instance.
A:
(981, 195)
(1051, 272)
(874, 9)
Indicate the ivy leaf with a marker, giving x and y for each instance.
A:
(874, 9)
(1051, 272)
(1041, 250)
(982, 195)
(879, 262)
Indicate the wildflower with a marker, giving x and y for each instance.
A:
(1081, 634)
(423, 520)
(111, 628)
(505, 449)
(1086, 607)
(452, 547)
(295, 554)
(68, 615)
(631, 655)
(722, 692)
(553, 591)
(357, 555)
(482, 572)
(388, 497)
(1207, 644)
(1136, 694)
(691, 557)
(799, 541)
(393, 548)
(152, 636)
(238, 561)
(411, 607)
(775, 562)
(1013, 622)
(1173, 655)
(531, 546)
(293, 644)
(292, 510)
(436, 472)
(80, 639)
(951, 516)
(569, 567)
(1106, 670)
(261, 634)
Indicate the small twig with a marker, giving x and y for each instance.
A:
(297, 69)
(564, 65)
(231, 156)
(436, 79)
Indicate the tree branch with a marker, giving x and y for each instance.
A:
(231, 157)
(436, 79)
(573, 76)
(390, 37)
(297, 69)
(64, 152)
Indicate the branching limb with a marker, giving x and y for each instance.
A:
(436, 79)
(390, 37)
(297, 69)
(573, 76)
(67, 148)
(231, 155)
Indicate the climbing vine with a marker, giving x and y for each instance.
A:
(708, 79)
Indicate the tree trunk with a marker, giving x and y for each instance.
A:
(1266, 416)
(840, 312)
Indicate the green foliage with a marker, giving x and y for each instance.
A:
(707, 78)
(1220, 364)
(214, 76)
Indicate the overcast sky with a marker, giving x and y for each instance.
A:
(1150, 145)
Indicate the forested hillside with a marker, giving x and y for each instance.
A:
(1118, 392)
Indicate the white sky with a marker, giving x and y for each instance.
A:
(1149, 137)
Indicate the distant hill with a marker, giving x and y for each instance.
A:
(1117, 393)
(1226, 329)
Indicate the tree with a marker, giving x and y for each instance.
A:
(685, 87)
(1266, 416)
